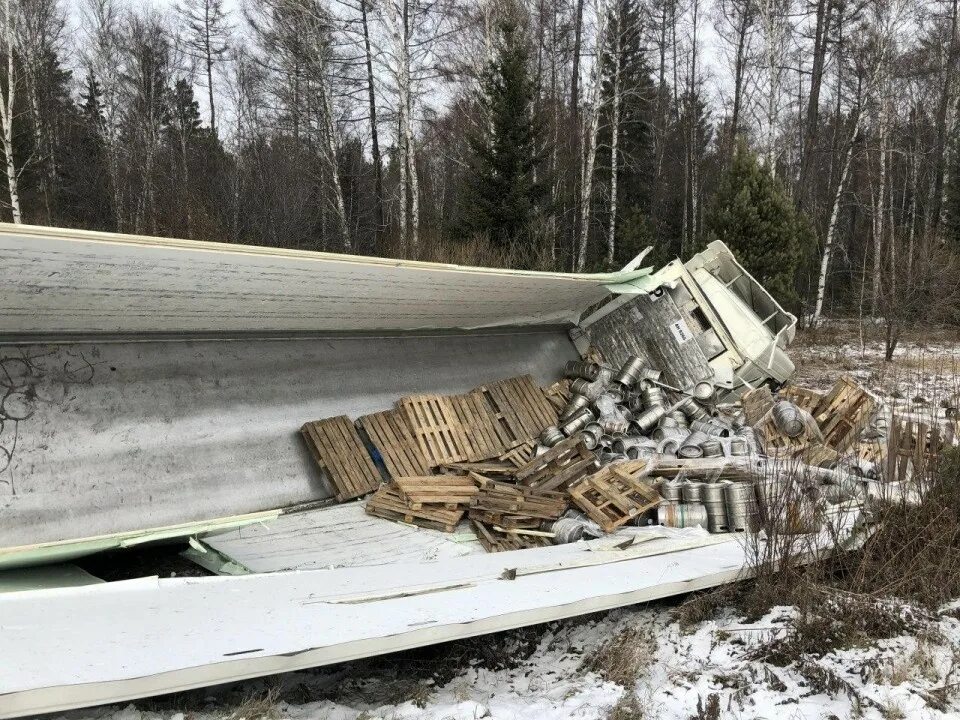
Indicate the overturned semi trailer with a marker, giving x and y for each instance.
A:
(154, 389)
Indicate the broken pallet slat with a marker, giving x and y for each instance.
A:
(336, 447)
(615, 494)
(756, 404)
(447, 490)
(558, 394)
(506, 499)
(388, 504)
(804, 398)
(494, 540)
(390, 435)
(544, 468)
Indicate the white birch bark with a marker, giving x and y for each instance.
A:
(614, 140)
(7, 111)
(592, 127)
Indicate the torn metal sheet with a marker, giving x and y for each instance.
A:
(216, 629)
(60, 281)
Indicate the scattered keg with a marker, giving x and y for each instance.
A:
(692, 492)
(551, 436)
(713, 501)
(582, 369)
(680, 418)
(576, 422)
(712, 448)
(788, 419)
(741, 504)
(650, 375)
(637, 452)
(590, 436)
(652, 396)
(690, 447)
(629, 373)
(580, 386)
(711, 427)
(614, 426)
(703, 391)
(682, 515)
(671, 491)
(607, 456)
(668, 422)
(692, 409)
(662, 433)
(668, 446)
(648, 419)
(576, 402)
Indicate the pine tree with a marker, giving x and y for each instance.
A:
(752, 213)
(502, 190)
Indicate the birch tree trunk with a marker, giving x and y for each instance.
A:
(614, 137)
(7, 112)
(590, 139)
(374, 131)
(879, 225)
(832, 226)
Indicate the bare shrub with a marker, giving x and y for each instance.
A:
(258, 706)
(624, 657)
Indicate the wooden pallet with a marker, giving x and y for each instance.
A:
(615, 495)
(387, 503)
(558, 394)
(503, 499)
(505, 521)
(436, 427)
(336, 447)
(559, 467)
(482, 436)
(843, 413)
(756, 404)
(804, 398)
(494, 540)
(390, 435)
(520, 454)
(449, 491)
(519, 407)
(494, 468)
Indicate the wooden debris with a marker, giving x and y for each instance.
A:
(756, 404)
(503, 503)
(615, 494)
(489, 467)
(390, 435)
(519, 408)
(494, 540)
(336, 447)
(804, 398)
(558, 467)
(520, 454)
(389, 504)
(558, 394)
(447, 490)
(843, 413)
(436, 427)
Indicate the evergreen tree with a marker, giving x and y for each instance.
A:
(752, 213)
(502, 192)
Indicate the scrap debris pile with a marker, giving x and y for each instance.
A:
(603, 448)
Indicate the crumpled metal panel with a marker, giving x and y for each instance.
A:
(102, 437)
(57, 281)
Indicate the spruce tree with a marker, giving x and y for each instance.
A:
(502, 192)
(752, 213)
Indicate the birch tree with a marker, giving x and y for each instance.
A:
(9, 103)
(207, 40)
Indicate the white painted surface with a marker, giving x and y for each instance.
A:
(338, 536)
(68, 648)
(56, 280)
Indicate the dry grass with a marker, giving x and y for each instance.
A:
(624, 657)
(259, 706)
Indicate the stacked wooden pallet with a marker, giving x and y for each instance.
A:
(436, 501)
(508, 516)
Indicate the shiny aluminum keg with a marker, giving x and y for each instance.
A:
(551, 436)
(671, 491)
(788, 419)
(648, 419)
(629, 372)
(682, 515)
(692, 492)
(690, 447)
(714, 502)
(582, 369)
(576, 422)
(741, 504)
(712, 448)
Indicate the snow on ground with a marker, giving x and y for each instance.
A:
(677, 671)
